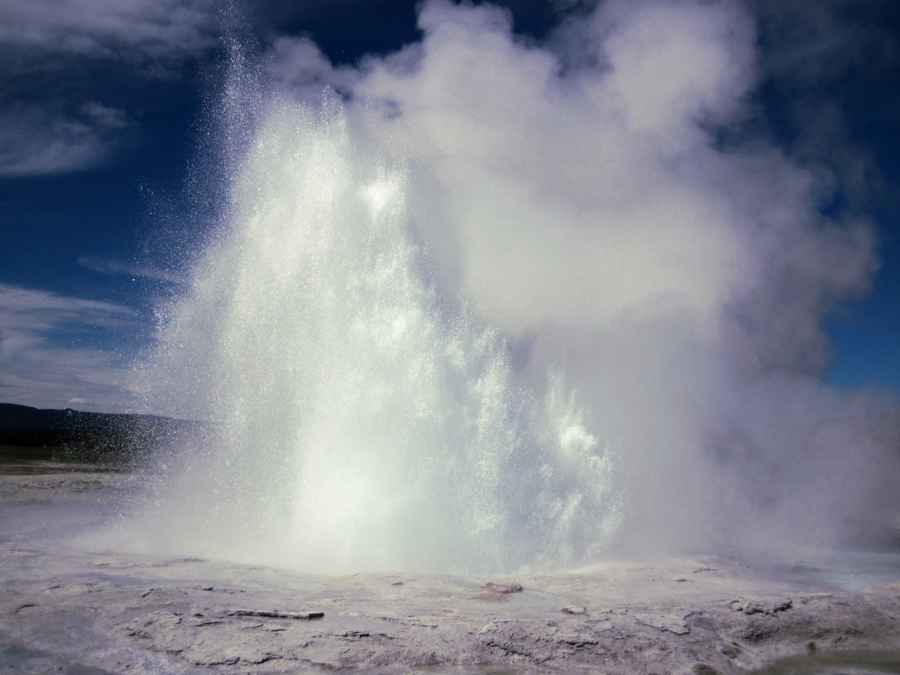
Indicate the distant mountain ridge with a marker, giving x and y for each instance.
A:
(89, 435)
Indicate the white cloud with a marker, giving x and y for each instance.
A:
(41, 361)
(37, 140)
(104, 116)
(53, 40)
(817, 41)
(117, 267)
(140, 29)
(604, 179)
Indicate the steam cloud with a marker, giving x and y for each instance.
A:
(602, 200)
(595, 197)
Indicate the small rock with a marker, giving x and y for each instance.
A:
(502, 588)
(207, 622)
(356, 634)
(574, 609)
(751, 607)
(665, 622)
(498, 592)
(731, 650)
(226, 661)
(758, 631)
(276, 614)
(576, 640)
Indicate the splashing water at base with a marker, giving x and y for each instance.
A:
(355, 424)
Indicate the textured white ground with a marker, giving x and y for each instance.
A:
(67, 608)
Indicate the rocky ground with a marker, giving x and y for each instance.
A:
(65, 608)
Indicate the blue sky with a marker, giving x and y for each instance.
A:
(104, 123)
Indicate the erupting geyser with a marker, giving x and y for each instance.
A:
(355, 423)
(498, 303)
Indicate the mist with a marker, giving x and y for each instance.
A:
(601, 223)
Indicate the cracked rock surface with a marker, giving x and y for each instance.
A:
(69, 609)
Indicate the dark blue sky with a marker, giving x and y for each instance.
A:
(103, 143)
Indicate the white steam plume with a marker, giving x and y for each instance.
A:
(594, 197)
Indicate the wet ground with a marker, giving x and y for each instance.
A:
(69, 607)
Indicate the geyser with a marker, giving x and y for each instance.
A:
(357, 420)
(369, 331)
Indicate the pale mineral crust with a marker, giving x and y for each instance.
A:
(72, 610)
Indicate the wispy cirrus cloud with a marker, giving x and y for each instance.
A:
(809, 48)
(50, 119)
(109, 28)
(42, 360)
(139, 270)
(822, 41)
(37, 140)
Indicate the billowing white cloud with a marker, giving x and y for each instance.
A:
(42, 358)
(607, 177)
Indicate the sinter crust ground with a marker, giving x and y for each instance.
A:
(84, 613)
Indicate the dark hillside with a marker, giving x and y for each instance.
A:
(87, 436)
